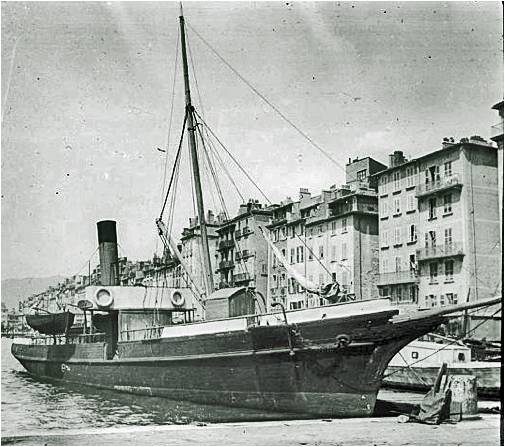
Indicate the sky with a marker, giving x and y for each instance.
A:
(88, 89)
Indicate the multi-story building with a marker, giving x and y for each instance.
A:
(439, 227)
(242, 250)
(497, 137)
(329, 237)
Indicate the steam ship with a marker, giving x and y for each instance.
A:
(324, 361)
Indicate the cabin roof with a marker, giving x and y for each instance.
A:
(227, 292)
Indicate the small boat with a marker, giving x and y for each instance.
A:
(51, 324)
(415, 367)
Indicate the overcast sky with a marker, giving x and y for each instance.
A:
(87, 93)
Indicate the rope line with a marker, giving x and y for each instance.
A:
(233, 158)
(263, 97)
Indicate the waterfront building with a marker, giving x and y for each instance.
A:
(497, 137)
(242, 250)
(329, 237)
(439, 228)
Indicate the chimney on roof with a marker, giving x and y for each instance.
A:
(304, 193)
(396, 159)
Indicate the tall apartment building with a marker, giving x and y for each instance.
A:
(497, 137)
(329, 237)
(242, 250)
(439, 228)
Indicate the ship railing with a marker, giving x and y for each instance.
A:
(61, 339)
(147, 333)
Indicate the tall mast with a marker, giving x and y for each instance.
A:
(209, 283)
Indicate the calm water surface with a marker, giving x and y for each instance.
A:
(30, 405)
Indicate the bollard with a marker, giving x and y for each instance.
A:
(464, 397)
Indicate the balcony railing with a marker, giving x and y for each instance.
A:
(239, 277)
(402, 277)
(224, 265)
(229, 243)
(440, 251)
(497, 130)
(439, 185)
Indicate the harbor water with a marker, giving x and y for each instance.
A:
(29, 405)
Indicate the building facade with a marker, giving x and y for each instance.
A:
(439, 228)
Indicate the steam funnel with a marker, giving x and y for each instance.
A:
(107, 247)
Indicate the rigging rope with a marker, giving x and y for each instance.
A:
(233, 158)
(170, 118)
(175, 162)
(276, 109)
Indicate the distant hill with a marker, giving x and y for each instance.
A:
(14, 290)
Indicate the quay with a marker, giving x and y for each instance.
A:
(355, 431)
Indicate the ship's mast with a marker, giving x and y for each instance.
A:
(209, 283)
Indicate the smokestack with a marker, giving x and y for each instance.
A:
(107, 247)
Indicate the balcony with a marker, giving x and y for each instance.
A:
(227, 244)
(226, 265)
(240, 277)
(402, 277)
(440, 251)
(442, 184)
(497, 131)
(246, 231)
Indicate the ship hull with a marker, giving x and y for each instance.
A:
(256, 368)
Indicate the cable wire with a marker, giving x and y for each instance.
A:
(276, 109)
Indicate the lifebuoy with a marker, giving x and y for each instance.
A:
(104, 298)
(343, 340)
(177, 298)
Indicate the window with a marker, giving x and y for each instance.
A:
(412, 263)
(452, 298)
(333, 252)
(442, 300)
(431, 300)
(274, 281)
(411, 202)
(448, 236)
(344, 225)
(413, 294)
(309, 253)
(398, 235)
(447, 203)
(384, 208)
(410, 176)
(448, 168)
(397, 206)
(430, 239)
(383, 185)
(284, 232)
(449, 270)
(283, 253)
(412, 233)
(432, 207)
(292, 232)
(432, 174)
(320, 229)
(433, 272)
(321, 252)
(384, 238)
(334, 276)
(321, 278)
(398, 264)
(301, 253)
(361, 175)
(344, 280)
(397, 180)
(334, 227)
(385, 265)
(344, 250)
(292, 256)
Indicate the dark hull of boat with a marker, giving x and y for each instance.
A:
(51, 324)
(422, 378)
(253, 368)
